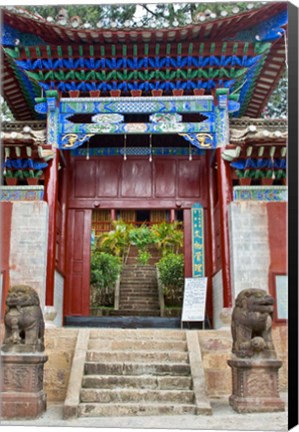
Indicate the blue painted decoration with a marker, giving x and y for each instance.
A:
(198, 252)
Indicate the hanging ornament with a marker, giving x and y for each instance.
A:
(87, 151)
(125, 147)
(190, 152)
(150, 149)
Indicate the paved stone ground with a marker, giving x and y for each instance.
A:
(223, 418)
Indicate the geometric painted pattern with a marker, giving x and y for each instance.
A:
(260, 193)
(21, 193)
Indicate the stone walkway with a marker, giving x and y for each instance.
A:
(223, 418)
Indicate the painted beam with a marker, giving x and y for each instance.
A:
(136, 128)
(137, 105)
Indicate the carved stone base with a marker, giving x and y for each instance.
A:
(255, 385)
(22, 394)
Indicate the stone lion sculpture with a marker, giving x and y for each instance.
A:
(252, 324)
(24, 323)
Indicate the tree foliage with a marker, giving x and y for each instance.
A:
(144, 14)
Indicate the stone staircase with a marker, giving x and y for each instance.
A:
(117, 372)
(138, 291)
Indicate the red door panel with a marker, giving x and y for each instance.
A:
(165, 178)
(78, 268)
(85, 178)
(189, 179)
(108, 178)
(137, 179)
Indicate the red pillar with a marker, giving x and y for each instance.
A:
(113, 214)
(225, 197)
(51, 192)
(172, 215)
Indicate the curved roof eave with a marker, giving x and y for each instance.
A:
(217, 29)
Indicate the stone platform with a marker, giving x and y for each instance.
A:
(255, 385)
(22, 394)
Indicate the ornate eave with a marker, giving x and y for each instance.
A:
(244, 53)
(216, 29)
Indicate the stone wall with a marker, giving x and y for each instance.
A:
(28, 245)
(249, 245)
(216, 350)
(217, 299)
(60, 346)
(58, 297)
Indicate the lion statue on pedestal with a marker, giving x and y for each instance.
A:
(252, 324)
(24, 322)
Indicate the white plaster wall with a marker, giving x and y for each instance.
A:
(28, 246)
(217, 285)
(249, 245)
(58, 298)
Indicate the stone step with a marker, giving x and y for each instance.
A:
(146, 282)
(138, 356)
(136, 289)
(139, 309)
(134, 368)
(135, 395)
(141, 334)
(139, 306)
(139, 285)
(138, 296)
(142, 288)
(138, 277)
(143, 303)
(129, 344)
(131, 409)
(140, 313)
(165, 382)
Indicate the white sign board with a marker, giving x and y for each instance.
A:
(194, 303)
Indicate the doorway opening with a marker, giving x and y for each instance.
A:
(136, 237)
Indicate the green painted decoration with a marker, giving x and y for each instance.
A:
(198, 251)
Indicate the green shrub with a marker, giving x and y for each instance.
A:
(143, 257)
(116, 241)
(169, 237)
(171, 269)
(104, 271)
(141, 237)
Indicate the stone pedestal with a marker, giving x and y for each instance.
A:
(255, 385)
(22, 394)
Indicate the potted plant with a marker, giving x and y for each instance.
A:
(10, 179)
(281, 175)
(157, 92)
(95, 93)
(268, 179)
(244, 177)
(178, 92)
(136, 93)
(115, 93)
(199, 91)
(19, 174)
(74, 93)
(31, 179)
